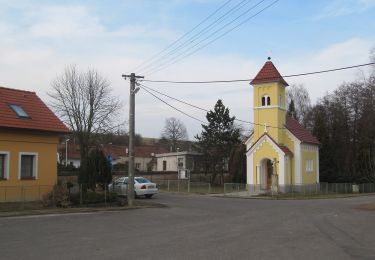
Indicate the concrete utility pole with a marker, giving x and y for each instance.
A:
(133, 91)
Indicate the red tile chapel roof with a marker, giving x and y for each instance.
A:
(268, 74)
(299, 131)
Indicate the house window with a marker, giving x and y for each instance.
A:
(19, 111)
(28, 166)
(138, 166)
(4, 169)
(266, 101)
(164, 165)
(309, 165)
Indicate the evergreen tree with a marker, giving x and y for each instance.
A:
(292, 110)
(217, 139)
(99, 169)
(237, 163)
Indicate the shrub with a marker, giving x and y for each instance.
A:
(57, 197)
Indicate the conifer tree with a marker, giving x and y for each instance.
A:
(217, 139)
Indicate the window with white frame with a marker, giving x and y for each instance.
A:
(309, 165)
(266, 101)
(4, 165)
(138, 166)
(28, 166)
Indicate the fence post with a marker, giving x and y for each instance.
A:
(23, 197)
(209, 188)
(105, 194)
(80, 194)
(5, 194)
(53, 196)
(168, 184)
(189, 186)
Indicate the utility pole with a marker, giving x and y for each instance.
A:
(133, 91)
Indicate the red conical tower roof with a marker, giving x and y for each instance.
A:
(268, 74)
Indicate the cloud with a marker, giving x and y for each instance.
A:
(49, 37)
(345, 7)
(349, 52)
(69, 22)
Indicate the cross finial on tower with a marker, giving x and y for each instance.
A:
(269, 54)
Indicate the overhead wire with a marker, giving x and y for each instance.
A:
(250, 79)
(183, 36)
(175, 108)
(176, 59)
(148, 90)
(201, 32)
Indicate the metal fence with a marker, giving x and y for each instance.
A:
(245, 190)
(185, 186)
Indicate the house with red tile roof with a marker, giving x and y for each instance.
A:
(280, 151)
(143, 154)
(29, 134)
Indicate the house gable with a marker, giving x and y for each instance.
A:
(280, 149)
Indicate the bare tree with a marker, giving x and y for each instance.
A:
(84, 101)
(174, 131)
(372, 59)
(301, 100)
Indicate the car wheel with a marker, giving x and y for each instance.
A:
(148, 196)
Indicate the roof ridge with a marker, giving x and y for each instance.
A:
(18, 90)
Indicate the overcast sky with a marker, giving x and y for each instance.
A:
(39, 38)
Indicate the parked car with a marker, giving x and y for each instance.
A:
(142, 187)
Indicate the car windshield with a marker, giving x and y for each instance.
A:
(142, 180)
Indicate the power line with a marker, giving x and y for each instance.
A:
(176, 99)
(248, 80)
(148, 89)
(215, 39)
(175, 108)
(201, 32)
(183, 36)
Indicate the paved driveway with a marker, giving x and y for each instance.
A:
(199, 227)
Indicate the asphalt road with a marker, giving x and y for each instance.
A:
(199, 227)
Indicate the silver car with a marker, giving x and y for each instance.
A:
(142, 187)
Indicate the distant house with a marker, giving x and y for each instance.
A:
(177, 160)
(73, 154)
(143, 155)
(29, 134)
(116, 152)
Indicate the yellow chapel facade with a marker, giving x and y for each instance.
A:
(280, 151)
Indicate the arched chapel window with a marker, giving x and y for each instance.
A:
(266, 101)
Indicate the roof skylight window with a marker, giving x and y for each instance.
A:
(19, 111)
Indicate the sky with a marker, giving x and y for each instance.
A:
(38, 39)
